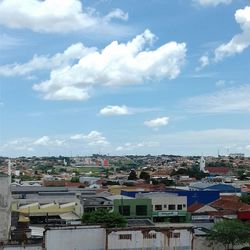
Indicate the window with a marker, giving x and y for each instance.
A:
(184, 205)
(124, 210)
(179, 207)
(165, 206)
(125, 236)
(149, 236)
(141, 210)
(158, 207)
(175, 235)
(171, 207)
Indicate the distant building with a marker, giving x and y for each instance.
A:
(202, 164)
(237, 155)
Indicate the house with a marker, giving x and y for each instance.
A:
(167, 207)
(218, 170)
(200, 212)
(134, 208)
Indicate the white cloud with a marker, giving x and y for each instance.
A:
(116, 65)
(124, 110)
(213, 3)
(225, 100)
(94, 138)
(204, 61)
(53, 15)
(220, 83)
(247, 147)
(240, 41)
(117, 13)
(44, 141)
(158, 122)
(114, 110)
(135, 146)
(69, 56)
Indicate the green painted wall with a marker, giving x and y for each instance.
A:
(133, 203)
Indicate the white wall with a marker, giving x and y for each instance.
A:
(5, 215)
(22, 248)
(162, 240)
(75, 238)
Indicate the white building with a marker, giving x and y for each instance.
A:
(167, 236)
(167, 207)
(5, 210)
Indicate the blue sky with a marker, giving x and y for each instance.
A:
(124, 77)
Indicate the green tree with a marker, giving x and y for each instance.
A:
(144, 175)
(132, 175)
(104, 217)
(75, 179)
(230, 233)
(245, 198)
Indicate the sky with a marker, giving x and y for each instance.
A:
(116, 77)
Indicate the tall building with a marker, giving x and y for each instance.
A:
(202, 164)
(5, 202)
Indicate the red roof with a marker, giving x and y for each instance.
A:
(230, 203)
(217, 170)
(194, 207)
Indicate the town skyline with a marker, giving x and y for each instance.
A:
(119, 78)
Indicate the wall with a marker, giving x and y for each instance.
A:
(150, 239)
(17, 247)
(77, 238)
(133, 203)
(5, 214)
(96, 238)
(203, 197)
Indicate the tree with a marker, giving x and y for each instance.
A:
(144, 175)
(245, 198)
(132, 175)
(104, 217)
(230, 233)
(75, 179)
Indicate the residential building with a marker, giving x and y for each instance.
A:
(167, 207)
(134, 208)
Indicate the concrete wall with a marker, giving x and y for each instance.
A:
(96, 238)
(77, 238)
(15, 247)
(141, 239)
(5, 214)
(132, 203)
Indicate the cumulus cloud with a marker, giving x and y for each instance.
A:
(53, 15)
(240, 41)
(116, 65)
(42, 141)
(234, 99)
(94, 138)
(69, 56)
(158, 122)
(203, 61)
(213, 3)
(114, 110)
(46, 140)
